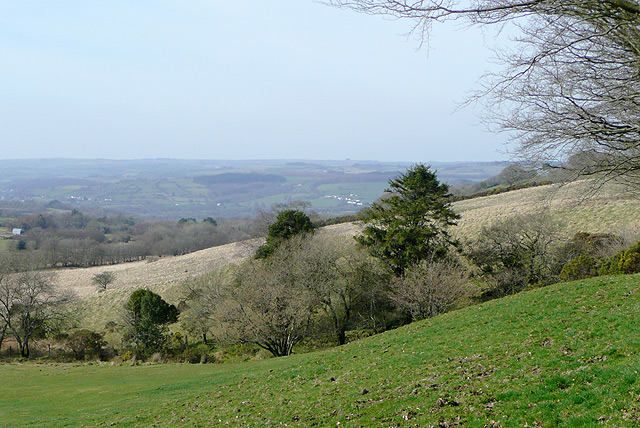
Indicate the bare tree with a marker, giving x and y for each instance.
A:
(338, 275)
(266, 306)
(571, 84)
(518, 251)
(103, 279)
(203, 298)
(29, 305)
(430, 288)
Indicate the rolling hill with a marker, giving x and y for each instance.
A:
(564, 355)
(610, 211)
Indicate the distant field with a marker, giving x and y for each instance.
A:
(5, 244)
(567, 355)
(173, 189)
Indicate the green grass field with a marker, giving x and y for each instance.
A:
(564, 355)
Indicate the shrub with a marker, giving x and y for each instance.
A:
(581, 267)
(624, 262)
(86, 344)
(288, 223)
(196, 354)
(428, 289)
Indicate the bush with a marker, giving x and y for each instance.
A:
(581, 267)
(288, 223)
(196, 355)
(86, 344)
(624, 262)
(428, 289)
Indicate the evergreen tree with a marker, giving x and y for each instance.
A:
(410, 224)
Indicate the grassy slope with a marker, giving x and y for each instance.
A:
(565, 355)
(163, 276)
(613, 209)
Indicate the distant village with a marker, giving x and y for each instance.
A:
(348, 199)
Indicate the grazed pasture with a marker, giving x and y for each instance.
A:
(562, 356)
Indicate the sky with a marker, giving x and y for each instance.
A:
(220, 79)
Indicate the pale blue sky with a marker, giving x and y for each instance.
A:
(233, 80)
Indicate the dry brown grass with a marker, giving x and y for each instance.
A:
(162, 276)
(612, 210)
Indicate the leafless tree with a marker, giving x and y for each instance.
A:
(29, 304)
(340, 277)
(571, 84)
(266, 306)
(103, 279)
(518, 251)
(430, 288)
(202, 300)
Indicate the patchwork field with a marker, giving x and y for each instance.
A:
(566, 355)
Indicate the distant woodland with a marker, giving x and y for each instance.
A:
(57, 235)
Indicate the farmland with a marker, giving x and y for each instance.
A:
(171, 189)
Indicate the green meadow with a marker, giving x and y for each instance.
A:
(565, 355)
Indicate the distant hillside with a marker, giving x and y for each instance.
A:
(174, 189)
(162, 275)
(576, 207)
(239, 178)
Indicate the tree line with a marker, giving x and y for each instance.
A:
(75, 239)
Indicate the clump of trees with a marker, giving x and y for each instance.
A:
(518, 252)
(308, 286)
(75, 239)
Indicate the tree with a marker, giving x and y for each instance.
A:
(266, 306)
(514, 174)
(288, 223)
(411, 224)
(340, 278)
(30, 304)
(430, 288)
(265, 218)
(517, 252)
(204, 295)
(569, 86)
(103, 279)
(147, 316)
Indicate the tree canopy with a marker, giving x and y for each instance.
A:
(288, 224)
(147, 317)
(569, 86)
(410, 224)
